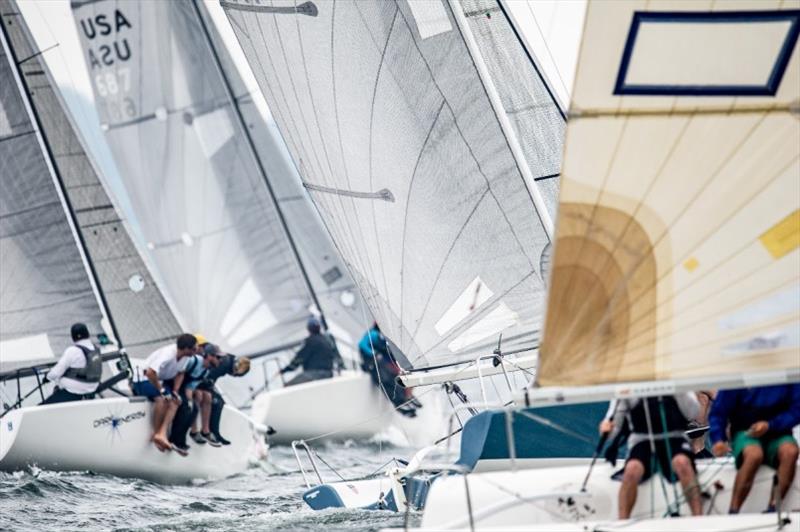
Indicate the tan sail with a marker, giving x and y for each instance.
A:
(676, 249)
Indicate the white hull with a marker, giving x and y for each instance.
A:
(113, 436)
(706, 523)
(348, 405)
(551, 495)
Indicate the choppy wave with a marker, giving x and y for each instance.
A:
(266, 497)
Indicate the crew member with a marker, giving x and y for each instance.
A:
(78, 371)
(228, 365)
(318, 356)
(656, 423)
(199, 399)
(761, 422)
(162, 367)
(377, 360)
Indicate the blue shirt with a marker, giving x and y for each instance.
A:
(372, 340)
(778, 405)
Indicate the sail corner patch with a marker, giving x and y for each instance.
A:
(430, 16)
(783, 237)
(719, 53)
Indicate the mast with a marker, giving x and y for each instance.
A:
(502, 118)
(260, 165)
(57, 180)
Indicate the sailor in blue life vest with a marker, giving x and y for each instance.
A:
(760, 423)
(377, 360)
(657, 438)
(77, 373)
(228, 365)
(195, 402)
(318, 356)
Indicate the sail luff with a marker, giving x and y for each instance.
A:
(58, 182)
(520, 35)
(505, 124)
(259, 163)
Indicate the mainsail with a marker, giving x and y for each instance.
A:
(213, 230)
(387, 117)
(678, 246)
(66, 255)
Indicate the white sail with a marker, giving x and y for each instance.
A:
(396, 138)
(677, 252)
(213, 231)
(66, 256)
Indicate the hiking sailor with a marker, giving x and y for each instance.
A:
(377, 360)
(199, 399)
(657, 424)
(162, 366)
(78, 371)
(761, 422)
(228, 365)
(318, 356)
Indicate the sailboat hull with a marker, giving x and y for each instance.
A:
(347, 406)
(112, 436)
(552, 495)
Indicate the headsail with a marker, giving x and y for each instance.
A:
(212, 229)
(395, 137)
(65, 255)
(678, 245)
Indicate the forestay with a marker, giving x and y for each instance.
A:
(386, 116)
(212, 230)
(61, 242)
(676, 254)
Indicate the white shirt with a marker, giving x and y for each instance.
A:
(73, 357)
(165, 363)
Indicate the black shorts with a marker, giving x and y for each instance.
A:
(641, 452)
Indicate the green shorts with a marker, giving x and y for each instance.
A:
(769, 444)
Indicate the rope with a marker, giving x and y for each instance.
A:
(672, 475)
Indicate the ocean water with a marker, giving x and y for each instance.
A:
(265, 497)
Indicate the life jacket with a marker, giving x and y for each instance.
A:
(92, 371)
(190, 367)
(675, 420)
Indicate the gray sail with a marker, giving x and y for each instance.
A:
(337, 294)
(213, 233)
(395, 137)
(139, 319)
(529, 104)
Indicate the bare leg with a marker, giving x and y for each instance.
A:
(205, 411)
(787, 464)
(161, 435)
(683, 469)
(159, 408)
(752, 457)
(634, 470)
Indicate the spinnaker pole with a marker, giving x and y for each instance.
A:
(261, 170)
(58, 181)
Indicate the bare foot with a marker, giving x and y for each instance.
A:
(162, 444)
